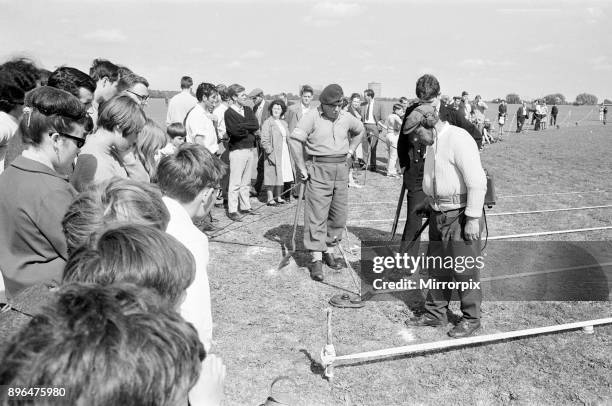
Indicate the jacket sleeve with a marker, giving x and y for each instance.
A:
(232, 126)
(266, 137)
(250, 124)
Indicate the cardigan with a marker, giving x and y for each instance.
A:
(33, 202)
(241, 129)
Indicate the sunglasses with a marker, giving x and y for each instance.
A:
(140, 97)
(79, 141)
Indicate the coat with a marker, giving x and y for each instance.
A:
(377, 112)
(272, 143)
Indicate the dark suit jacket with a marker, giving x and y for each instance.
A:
(456, 118)
(377, 112)
(265, 113)
(293, 115)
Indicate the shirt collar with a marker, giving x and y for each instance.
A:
(237, 109)
(177, 211)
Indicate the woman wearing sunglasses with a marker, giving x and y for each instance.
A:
(35, 195)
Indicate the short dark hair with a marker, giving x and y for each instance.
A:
(277, 102)
(122, 112)
(403, 99)
(17, 77)
(306, 89)
(427, 87)
(89, 333)
(176, 130)
(114, 201)
(129, 80)
(186, 82)
(397, 106)
(183, 175)
(101, 68)
(71, 79)
(234, 89)
(43, 75)
(135, 253)
(345, 102)
(205, 89)
(48, 108)
(355, 95)
(369, 93)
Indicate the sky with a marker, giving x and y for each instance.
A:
(491, 48)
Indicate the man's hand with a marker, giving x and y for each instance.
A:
(208, 390)
(349, 159)
(422, 208)
(472, 229)
(303, 173)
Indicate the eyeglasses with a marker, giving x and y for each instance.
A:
(142, 98)
(78, 141)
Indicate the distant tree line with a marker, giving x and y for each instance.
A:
(558, 98)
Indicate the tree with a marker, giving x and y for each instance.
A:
(557, 98)
(585, 98)
(607, 101)
(513, 98)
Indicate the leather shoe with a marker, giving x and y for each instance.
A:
(465, 328)
(250, 211)
(316, 270)
(234, 216)
(331, 261)
(426, 320)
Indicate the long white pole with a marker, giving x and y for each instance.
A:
(575, 230)
(437, 345)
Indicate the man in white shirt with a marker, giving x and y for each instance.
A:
(200, 122)
(181, 103)
(455, 184)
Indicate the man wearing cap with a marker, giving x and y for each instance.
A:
(260, 108)
(329, 137)
(455, 185)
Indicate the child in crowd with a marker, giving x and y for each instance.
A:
(176, 133)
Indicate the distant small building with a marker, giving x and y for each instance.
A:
(376, 87)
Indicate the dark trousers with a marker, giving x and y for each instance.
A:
(520, 121)
(260, 168)
(413, 222)
(369, 144)
(225, 180)
(325, 205)
(446, 239)
(553, 119)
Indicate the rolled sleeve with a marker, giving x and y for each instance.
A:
(468, 162)
(304, 127)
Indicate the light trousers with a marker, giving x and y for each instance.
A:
(392, 165)
(241, 161)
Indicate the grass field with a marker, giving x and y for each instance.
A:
(270, 323)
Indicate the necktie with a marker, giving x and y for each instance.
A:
(368, 112)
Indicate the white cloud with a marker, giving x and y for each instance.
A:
(601, 63)
(253, 54)
(541, 47)
(112, 35)
(234, 64)
(483, 63)
(337, 9)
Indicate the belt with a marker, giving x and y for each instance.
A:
(454, 199)
(330, 159)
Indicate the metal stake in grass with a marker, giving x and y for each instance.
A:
(288, 262)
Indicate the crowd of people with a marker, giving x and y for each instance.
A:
(102, 249)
